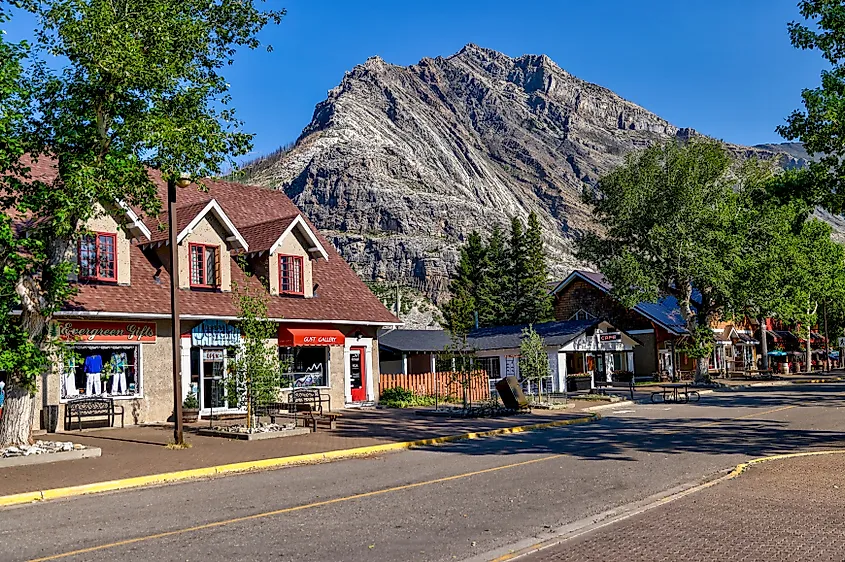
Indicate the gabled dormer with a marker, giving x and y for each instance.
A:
(282, 252)
(206, 238)
(102, 256)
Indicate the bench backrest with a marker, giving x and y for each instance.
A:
(91, 406)
(306, 395)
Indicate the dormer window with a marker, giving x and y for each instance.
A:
(204, 266)
(97, 257)
(291, 275)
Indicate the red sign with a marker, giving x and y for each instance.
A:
(95, 331)
(610, 337)
(295, 337)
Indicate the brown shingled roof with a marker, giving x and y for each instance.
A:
(184, 215)
(261, 237)
(341, 295)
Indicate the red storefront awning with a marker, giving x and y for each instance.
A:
(295, 337)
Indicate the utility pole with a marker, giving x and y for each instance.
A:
(826, 343)
(183, 181)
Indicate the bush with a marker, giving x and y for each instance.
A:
(191, 401)
(398, 397)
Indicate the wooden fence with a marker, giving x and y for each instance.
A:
(445, 384)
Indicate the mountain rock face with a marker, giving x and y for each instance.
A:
(400, 164)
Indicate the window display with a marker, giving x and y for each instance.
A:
(309, 366)
(101, 371)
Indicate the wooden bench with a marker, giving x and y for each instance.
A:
(92, 408)
(310, 396)
(602, 386)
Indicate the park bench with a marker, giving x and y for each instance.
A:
(601, 387)
(92, 408)
(311, 396)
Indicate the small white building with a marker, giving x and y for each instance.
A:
(593, 349)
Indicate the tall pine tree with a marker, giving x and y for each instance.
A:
(536, 304)
(495, 307)
(460, 311)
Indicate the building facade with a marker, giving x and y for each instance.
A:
(231, 239)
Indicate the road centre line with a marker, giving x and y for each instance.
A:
(352, 497)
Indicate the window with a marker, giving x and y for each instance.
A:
(582, 315)
(97, 370)
(204, 265)
(291, 274)
(490, 365)
(306, 366)
(97, 258)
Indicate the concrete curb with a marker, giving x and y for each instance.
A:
(267, 464)
(608, 518)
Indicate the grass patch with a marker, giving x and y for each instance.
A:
(173, 446)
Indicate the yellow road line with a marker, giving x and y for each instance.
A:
(292, 509)
(379, 492)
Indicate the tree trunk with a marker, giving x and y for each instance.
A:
(16, 422)
(764, 345)
(701, 365)
(809, 357)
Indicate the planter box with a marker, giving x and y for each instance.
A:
(576, 384)
(255, 436)
(89, 453)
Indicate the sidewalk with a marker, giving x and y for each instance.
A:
(140, 450)
(789, 509)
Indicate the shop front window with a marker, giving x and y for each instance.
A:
(305, 366)
(101, 371)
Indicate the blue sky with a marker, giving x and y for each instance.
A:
(723, 67)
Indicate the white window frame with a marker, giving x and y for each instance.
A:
(139, 372)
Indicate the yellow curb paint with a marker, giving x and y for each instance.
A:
(265, 464)
(15, 499)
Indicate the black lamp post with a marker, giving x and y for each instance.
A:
(182, 181)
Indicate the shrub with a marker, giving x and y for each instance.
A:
(191, 401)
(398, 397)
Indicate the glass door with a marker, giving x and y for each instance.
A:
(212, 379)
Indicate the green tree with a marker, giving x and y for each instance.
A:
(534, 304)
(494, 292)
(139, 88)
(471, 273)
(533, 359)
(670, 228)
(821, 124)
(255, 375)
(518, 270)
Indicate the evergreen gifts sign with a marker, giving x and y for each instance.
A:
(95, 331)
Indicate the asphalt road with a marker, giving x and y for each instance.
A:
(450, 502)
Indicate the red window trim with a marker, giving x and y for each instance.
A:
(206, 285)
(97, 277)
(301, 275)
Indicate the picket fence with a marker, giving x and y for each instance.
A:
(442, 384)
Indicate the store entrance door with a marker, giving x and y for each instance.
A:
(212, 380)
(358, 374)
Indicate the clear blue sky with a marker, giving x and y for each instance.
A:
(723, 67)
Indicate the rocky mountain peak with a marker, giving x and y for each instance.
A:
(399, 164)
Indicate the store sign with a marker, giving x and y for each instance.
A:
(215, 333)
(212, 355)
(610, 337)
(296, 337)
(95, 331)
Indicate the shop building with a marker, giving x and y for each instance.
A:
(658, 326)
(593, 349)
(117, 327)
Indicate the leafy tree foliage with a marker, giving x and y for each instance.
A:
(255, 375)
(139, 87)
(533, 359)
(821, 124)
(679, 220)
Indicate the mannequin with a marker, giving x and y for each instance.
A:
(118, 369)
(93, 367)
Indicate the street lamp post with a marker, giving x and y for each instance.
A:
(182, 181)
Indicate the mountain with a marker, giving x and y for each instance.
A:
(399, 164)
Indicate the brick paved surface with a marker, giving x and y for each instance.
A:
(140, 450)
(781, 510)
